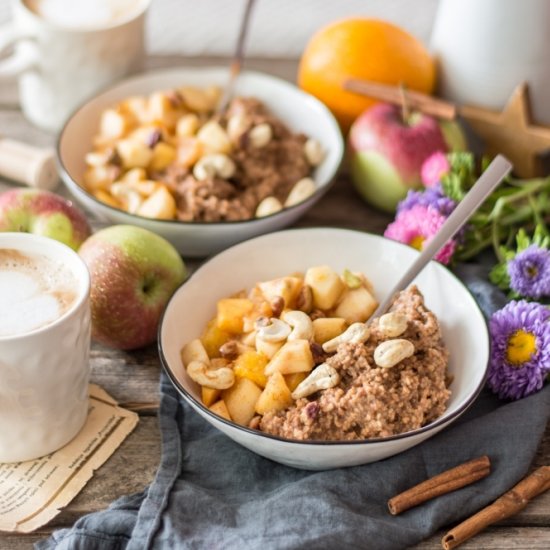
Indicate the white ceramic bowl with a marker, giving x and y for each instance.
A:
(299, 110)
(194, 303)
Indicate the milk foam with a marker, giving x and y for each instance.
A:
(83, 13)
(34, 292)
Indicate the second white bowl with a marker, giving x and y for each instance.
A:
(300, 111)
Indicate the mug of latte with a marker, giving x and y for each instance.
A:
(66, 50)
(44, 345)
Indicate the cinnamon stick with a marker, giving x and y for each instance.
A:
(441, 484)
(505, 506)
(391, 94)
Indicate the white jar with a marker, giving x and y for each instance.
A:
(486, 48)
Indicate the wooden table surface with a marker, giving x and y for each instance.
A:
(132, 377)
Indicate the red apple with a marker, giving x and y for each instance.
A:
(43, 213)
(387, 151)
(133, 274)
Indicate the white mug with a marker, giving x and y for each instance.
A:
(59, 63)
(486, 48)
(44, 372)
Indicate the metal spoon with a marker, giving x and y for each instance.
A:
(488, 181)
(236, 62)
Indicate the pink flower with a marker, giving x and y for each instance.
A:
(417, 226)
(435, 166)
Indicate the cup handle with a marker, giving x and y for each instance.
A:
(21, 59)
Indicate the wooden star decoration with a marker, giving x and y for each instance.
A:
(511, 133)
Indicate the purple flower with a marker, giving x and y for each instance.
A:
(529, 272)
(417, 226)
(435, 166)
(520, 351)
(433, 196)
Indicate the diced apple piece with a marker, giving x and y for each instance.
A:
(190, 151)
(294, 356)
(194, 351)
(241, 400)
(220, 408)
(213, 338)
(163, 155)
(326, 286)
(356, 305)
(161, 205)
(137, 108)
(187, 125)
(251, 365)
(214, 138)
(99, 177)
(292, 380)
(210, 395)
(133, 153)
(327, 328)
(134, 175)
(162, 110)
(269, 349)
(198, 99)
(276, 395)
(112, 124)
(107, 198)
(231, 312)
(287, 288)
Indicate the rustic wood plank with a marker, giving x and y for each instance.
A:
(497, 538)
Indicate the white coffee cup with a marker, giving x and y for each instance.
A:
(61, 62)
(44, 369)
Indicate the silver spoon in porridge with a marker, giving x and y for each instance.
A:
(237, 60)
(499, 168)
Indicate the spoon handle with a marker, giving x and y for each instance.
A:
(484, 186)
(236, 62)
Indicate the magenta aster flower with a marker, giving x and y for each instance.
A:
(432, 196)
(520, 351)
(417, 226)
(529, 272)
(435, 166)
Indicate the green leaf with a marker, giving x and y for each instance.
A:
(452, 186)
(499, 276)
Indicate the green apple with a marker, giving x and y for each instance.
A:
(387, 152)
(43, 213)
(134, 272)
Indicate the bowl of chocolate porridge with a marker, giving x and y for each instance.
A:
(282, 356)
(153, 151)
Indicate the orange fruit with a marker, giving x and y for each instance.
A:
(368, 49)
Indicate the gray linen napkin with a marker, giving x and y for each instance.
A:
(211, 493)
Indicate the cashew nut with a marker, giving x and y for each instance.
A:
(391, 352)
(260, 135)
(302, 189)
(216, 164)
(236, 126)
(356, 333)
(275, 331)
(313, 151)
(393, 324)
(321, 378)
(218, 379)
(131, 199)
(270, 205)
(302, 327)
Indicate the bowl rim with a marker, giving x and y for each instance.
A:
(441, 421)
(74, 186)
